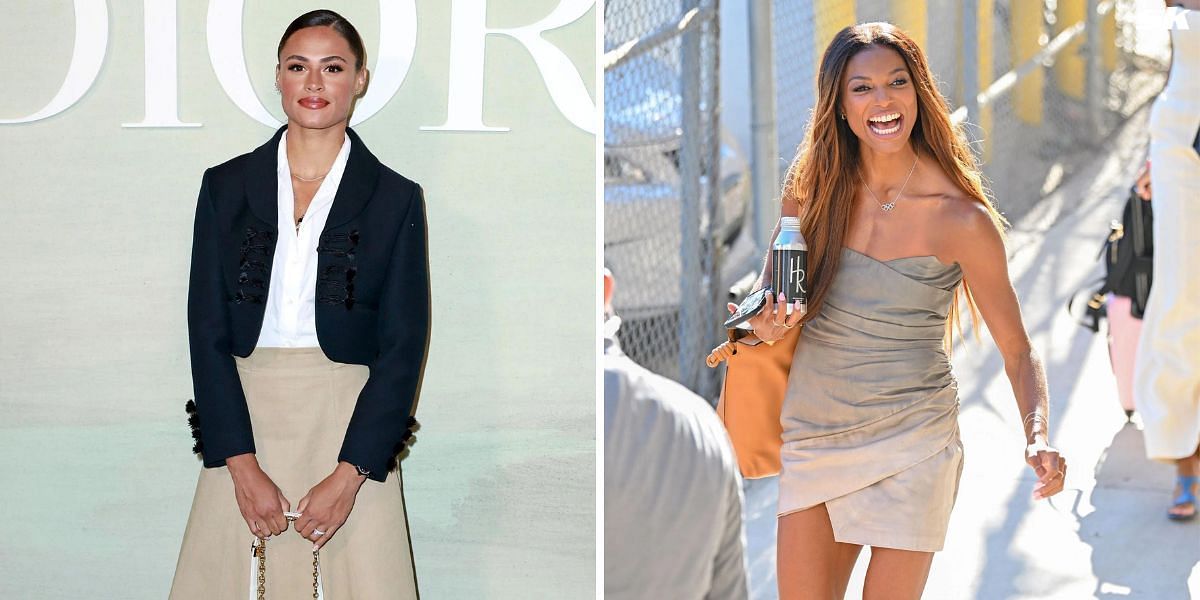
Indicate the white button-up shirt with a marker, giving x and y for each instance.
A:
(290, 320)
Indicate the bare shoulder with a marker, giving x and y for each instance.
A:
(965, 213)
(969, 233)
(947, 206)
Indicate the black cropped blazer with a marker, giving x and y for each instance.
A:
(372, 298)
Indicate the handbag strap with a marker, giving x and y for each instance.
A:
(259, 548)
(1095, 309)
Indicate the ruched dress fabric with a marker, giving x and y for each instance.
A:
(300, 404)
(870, 419)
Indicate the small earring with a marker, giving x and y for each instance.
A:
(843, 114)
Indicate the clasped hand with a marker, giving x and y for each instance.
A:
(328, 504)
(769, 325)
(323, 510)
(773, 321)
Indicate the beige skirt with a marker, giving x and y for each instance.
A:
(906, 511)
(300, 404)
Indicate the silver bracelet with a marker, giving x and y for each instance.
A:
(1033, 417)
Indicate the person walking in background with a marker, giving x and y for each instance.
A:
(899, 228)
(308, 320)
(1167, 372)
(672, 492)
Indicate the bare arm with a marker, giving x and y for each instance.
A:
(978, 248)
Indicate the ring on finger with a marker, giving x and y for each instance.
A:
(318, 532)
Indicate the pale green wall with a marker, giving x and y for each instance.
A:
(96, 476)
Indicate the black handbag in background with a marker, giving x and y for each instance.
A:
(1128, 255)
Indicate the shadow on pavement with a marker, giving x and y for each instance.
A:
(1003, 570)
(1136, 551)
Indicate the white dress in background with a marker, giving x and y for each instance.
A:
(1167, 375)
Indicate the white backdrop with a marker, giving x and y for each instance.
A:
(111, 113)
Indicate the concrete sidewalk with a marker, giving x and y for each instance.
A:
(1106, 535)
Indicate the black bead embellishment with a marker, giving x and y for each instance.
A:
(256, 250)
(401, 449)
(194, 422)
(338, 290)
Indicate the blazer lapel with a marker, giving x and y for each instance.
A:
(357, 185)
(262, 181)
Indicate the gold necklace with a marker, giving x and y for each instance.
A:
(318, 178)
(887, 207)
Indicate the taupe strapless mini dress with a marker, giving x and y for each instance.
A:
(870, 419)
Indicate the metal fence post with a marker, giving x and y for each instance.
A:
(690, 284)
(1094, 78)
(970, 70)
(764, 158)
(715, 303)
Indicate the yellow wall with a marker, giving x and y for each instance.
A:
(1069, 67)
(830, 16)
(1026, 31)
(1108, 40)
(910, 15)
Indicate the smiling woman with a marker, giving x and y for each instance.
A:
(308, 316)
(899, 229)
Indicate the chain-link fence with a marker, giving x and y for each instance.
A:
(1037, 81)
(673, 194)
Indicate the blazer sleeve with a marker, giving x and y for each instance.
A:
(381, 416)
(220, 402)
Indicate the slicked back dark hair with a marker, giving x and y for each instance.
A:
(327, 18)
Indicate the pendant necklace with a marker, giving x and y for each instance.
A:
(317, 178)
(888, 206)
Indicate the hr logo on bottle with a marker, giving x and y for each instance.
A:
(796, 276)
(790, 274)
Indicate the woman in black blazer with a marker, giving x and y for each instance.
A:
(308, 317)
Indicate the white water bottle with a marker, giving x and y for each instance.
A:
(789, 264)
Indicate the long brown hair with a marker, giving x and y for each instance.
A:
(824, 177)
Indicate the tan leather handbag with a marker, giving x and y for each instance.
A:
(752, 400)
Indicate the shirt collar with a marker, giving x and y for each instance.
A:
(339, 162)
(329, 185)
(611, 346)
